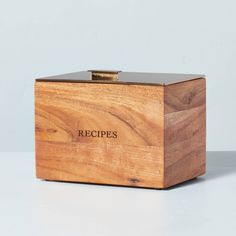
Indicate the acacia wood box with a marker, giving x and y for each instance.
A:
(120, 128)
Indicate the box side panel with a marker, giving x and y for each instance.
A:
(100, 133)
(185, 131)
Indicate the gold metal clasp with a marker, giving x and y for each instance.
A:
(104, 75)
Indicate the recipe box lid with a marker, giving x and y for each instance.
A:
(119, 77)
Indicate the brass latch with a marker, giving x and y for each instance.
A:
(104, 75)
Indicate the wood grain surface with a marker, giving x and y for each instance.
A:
(159, 141)
(185, 131)
(135, 112)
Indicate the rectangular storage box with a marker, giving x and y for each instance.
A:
(120, 128)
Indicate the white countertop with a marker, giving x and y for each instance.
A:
(28, 206)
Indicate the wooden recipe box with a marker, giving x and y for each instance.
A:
(120, 128)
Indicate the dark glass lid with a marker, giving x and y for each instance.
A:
(119, 77)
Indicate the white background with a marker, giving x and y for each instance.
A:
(48, 37)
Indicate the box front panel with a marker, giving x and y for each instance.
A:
(99, 133)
